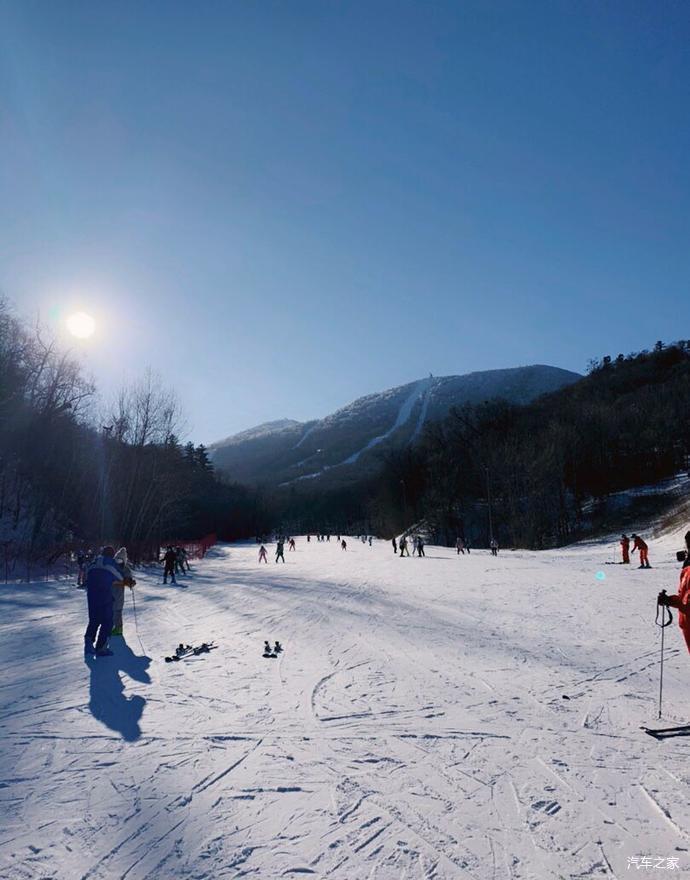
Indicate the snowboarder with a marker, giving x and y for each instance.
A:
(681, 601)
(494, 547)
(403, 547)
(102, 574)
(263, 556)
(119, 590)
(395, 546)
(280, 550)
(460, 547)
(625, 549)
(169, 566)
(639, 544)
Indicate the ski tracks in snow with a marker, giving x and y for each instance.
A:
(414, 727)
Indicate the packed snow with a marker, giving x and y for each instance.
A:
(446, 717)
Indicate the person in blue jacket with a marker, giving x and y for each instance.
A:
(100, 577)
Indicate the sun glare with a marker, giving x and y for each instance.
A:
(81, 325)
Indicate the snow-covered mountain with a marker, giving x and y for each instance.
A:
(347, 442)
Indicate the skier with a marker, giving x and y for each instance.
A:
(102, 574)
(280, 550)
(459, 547)
(681, 601)
(420, 546)
(308, 539)
(370, 540)
(403, 547)
(291, 543)
(179, 567)
(494, 547)
(119, 590)
(81, 568)
(184, 559)
(639, 544)
(169, 565)
(263, 556)
(343, 544)
(625, 549)
(395, 546)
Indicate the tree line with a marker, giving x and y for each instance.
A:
(534, 476)
(75, 473)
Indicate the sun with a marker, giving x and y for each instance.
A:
(81, 325)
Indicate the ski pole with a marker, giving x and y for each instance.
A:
(136, 621)
(661, 603)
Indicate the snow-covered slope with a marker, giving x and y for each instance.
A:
(447, 717)
(347, 441)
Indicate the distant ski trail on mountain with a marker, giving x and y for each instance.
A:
(403, 417)
(425, 407)
(305, 435)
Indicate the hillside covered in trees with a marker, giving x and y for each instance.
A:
(539, 475)
(74, 472)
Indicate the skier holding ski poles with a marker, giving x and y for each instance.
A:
(280, 550)
(103, 573)
(119, 590)
(681, 601)
(263, 556)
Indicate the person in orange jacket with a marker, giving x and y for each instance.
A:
(625, 549)
(681, 601)
(639, 544)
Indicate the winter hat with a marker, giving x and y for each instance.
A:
(108, 550)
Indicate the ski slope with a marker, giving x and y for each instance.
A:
(416, 725)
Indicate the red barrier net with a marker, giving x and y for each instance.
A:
(197, 548)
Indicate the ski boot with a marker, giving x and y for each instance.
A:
(89, 649)
(104, 652)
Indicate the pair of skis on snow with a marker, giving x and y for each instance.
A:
(272, 652)
(668, 732)
(183, 651)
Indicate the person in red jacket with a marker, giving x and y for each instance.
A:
(625, 549)
(681, 601)
(639, 544)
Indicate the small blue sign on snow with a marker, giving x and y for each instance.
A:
(600, 576)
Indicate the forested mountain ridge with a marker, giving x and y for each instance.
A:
(347, 444)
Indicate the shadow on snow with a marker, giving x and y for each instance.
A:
(107, 701)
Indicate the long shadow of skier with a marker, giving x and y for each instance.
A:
(108, 703)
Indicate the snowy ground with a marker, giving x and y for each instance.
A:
(415, 726)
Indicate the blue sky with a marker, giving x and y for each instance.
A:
(283, 206)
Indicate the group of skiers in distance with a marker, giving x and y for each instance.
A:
(638, 544)
(401, 545)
